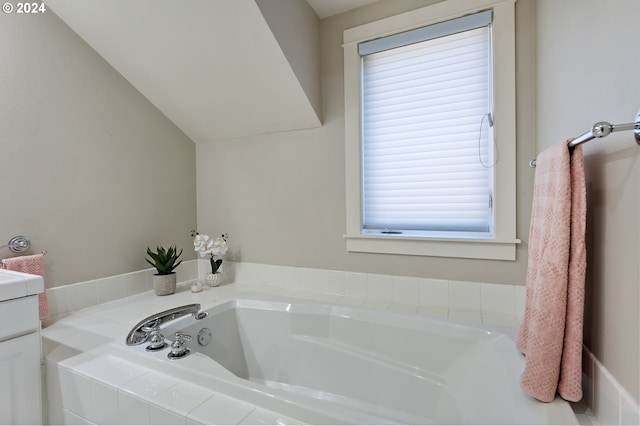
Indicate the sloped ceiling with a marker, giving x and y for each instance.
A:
(327, 8)
(213, 67)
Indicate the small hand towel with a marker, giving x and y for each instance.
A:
(31, 265)
(550, 334)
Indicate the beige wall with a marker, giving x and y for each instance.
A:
(89, 169)
(281, 196)
(588, 72)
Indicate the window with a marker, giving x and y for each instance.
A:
(425, 94)
(427, 173)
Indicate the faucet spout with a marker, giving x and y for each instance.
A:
(141, 332)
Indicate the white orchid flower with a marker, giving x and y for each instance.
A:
(219, 247)
(200, 243)
(216, 248)
(199, 240)
(206, 249)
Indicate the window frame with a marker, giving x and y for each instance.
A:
(502, 246)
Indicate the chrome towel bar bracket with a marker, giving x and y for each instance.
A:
(18, 244)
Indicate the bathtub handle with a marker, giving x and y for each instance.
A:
(179, 346)
(155, 339)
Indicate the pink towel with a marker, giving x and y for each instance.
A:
(550, 335)
(30, 265)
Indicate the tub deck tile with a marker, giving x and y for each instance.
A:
(132, 410)
(329, 298)
(507, 320)
(104, 403)
(464, 315)
(149, 385)
(350, 301)
(182, 398)
(376, 304)
(403, 308)
(433, 311)
(265, 417)
(220, 410)
(119, 374)
(159, 416)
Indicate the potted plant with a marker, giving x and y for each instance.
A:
(165, 261)
(216, 248)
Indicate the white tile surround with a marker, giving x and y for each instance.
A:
(495, 304)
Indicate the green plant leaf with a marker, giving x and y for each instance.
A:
(164, 260)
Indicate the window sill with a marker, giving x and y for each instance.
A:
(492, 249)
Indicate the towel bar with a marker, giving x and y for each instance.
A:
(602, 129)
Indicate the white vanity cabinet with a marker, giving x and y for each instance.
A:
(20, 378)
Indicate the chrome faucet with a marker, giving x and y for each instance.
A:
(149, 328)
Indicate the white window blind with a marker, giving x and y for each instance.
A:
(426, 162)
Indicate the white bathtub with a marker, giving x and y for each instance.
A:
(322, 363)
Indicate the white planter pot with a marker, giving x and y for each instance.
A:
(164, 284)
(213, 280)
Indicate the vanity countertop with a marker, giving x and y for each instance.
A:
(17, 284)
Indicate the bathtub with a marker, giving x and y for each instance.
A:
(321, 363)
